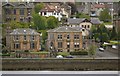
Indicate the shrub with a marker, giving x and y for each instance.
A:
(79, 53)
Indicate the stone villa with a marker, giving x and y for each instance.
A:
(17, 11)
(64, 39)
(23, 39)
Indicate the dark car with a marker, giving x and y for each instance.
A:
(69, 56)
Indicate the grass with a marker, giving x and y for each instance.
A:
(108, 23)
(63, 53)
(39, 52)
(114, 42)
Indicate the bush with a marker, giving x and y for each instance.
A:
(79, 53)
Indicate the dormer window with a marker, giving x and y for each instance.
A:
(16, 37)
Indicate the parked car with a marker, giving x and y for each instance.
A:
(69, 56)
(101, 49)
(59, 56)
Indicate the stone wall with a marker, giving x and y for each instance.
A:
(60, 64)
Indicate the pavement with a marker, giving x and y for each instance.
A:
(59, 75)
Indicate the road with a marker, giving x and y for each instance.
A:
(106, 53)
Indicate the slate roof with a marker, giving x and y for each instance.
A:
(79, 20)
(79, 28)
(75, 20)
(99, 6)
(50, 8)
(17, 4)
(64, 29)
(24, 31)
(95, 21)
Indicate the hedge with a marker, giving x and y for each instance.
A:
(79, 53)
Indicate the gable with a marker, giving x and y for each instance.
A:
(7, 5)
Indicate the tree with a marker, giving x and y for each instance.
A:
(104, 37)
(113, 34)
(92, 50)
(52, 22)
(105, 16)
(101, 33)
(82, 15)
(38, 7)
(39, 22)
(73, 8)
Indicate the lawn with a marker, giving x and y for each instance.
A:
(108, 23)
(40, 52)
(114, 42)
(63, 53)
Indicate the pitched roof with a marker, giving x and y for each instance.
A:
(50, 8)
(79, 20)
(24, 31)
(79, 28)
(95, 21)
(64, 29)
(75, 20)
(17, 4)
(99, 6)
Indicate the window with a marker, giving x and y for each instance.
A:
(68, 50)
(54, 13)
(16, 46)
(83, 29)
(16, 37)
(76, 36)
(14, 18)
(25, 37)
(51, 36)
(21, 19)
(76, 45)
(59, 36)
(51, 44)
(68, 46)
(14, 12)
(32, 45)
(59, 44)
(68, 36)
(88, 26)
(82, 25)
(85, 26)
(45, 13)
(32, 38)
(21, 11)
(7, 11)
